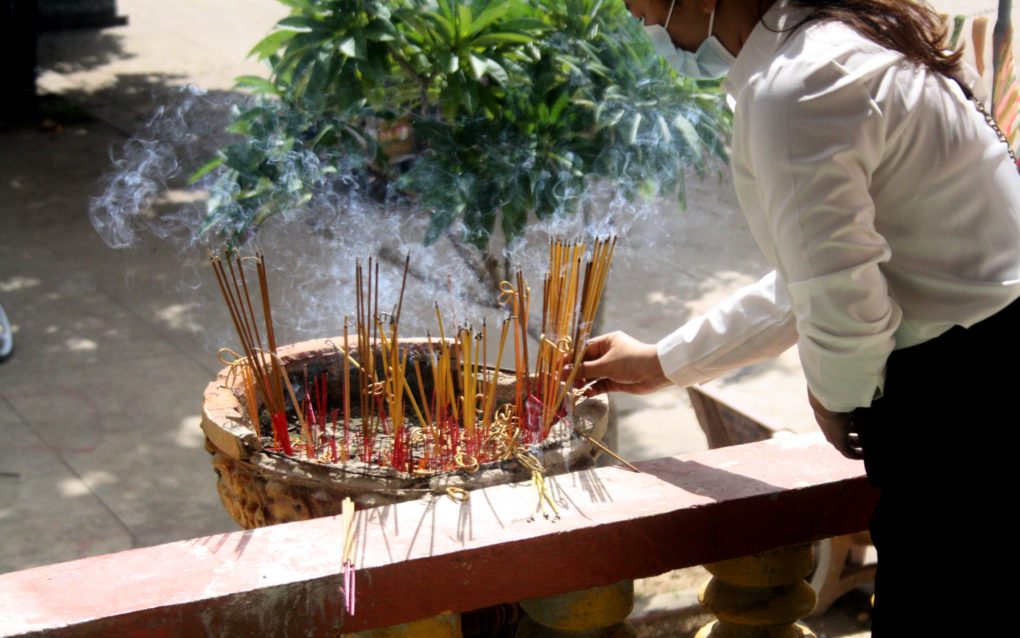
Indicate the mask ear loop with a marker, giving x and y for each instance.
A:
(711, 21)
(669, 15)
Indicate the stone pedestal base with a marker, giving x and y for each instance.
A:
(600, 612)
(759, 596)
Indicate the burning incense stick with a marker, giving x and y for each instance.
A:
(264, 369)
(583, 318)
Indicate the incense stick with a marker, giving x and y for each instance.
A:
(347, 557)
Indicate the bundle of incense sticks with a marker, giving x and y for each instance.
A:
(264, 371)
(347, 556)
(429, 407)
(567, 320)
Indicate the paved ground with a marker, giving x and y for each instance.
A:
(99, 406)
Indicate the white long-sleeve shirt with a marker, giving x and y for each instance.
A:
(887, 205)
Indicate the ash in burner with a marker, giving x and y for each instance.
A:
(425, 445)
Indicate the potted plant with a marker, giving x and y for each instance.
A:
(483, 115)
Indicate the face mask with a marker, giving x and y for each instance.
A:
(709, 62)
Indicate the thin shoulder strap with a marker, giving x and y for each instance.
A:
(969, 94)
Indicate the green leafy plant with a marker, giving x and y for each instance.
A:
(516, 109)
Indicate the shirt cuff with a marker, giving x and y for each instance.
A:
(752, 325)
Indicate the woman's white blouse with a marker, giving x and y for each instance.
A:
(887, 205)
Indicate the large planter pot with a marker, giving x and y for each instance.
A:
(261, 487)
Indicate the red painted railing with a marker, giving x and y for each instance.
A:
(417, 559)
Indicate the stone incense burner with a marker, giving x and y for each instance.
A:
(260, 487)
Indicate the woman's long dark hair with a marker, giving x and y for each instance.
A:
(911, 28)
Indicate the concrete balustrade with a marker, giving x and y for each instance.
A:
(421, 559)
(599, 612)
(760, 596)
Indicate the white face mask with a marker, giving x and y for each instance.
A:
(711, 61)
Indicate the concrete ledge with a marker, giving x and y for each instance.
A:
(420, 558)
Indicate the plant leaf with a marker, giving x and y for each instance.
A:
(439, 223)
(448, 62)
(271, 43)
(348, 47)
(497, 39)
(478, 66)
(493, 12)
(256, 83)
(497, 72)
(686, 129)
(463, 19)
(299, 4)
(299, 24)
(380, 30)
(205, 169)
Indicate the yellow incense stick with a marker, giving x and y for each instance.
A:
(490, 400)
(347, 510)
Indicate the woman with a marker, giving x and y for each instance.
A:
(891, 212)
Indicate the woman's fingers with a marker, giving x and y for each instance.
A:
(603, 386)
(620, 363)
(598, 346)
(594, 363)
(837, 428)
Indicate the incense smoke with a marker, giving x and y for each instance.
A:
(151, 168)
(311, 248)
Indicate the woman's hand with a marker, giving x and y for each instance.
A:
(621, 363)
(837, 428)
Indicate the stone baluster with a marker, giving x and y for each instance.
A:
(442, 626)
(759, 596)
(600, 612)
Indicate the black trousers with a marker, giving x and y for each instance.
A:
(941, 447)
